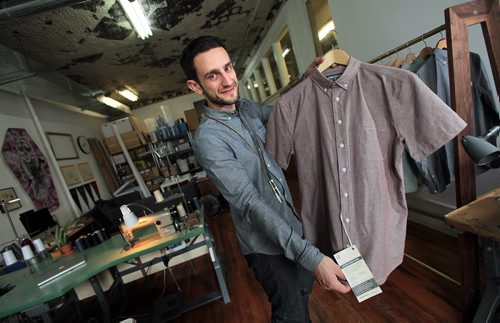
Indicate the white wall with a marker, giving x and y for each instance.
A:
(14, 113)
(177, 106)
(367, 29)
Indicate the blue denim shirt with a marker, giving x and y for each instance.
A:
(225, 149)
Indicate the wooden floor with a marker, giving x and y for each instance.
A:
(413, 293)
(423, 289)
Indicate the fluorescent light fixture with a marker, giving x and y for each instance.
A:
(112, 103)
(127, 93)
(285, 52)
(323, 32)
(137, 17)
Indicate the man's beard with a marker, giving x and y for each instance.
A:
(219, 101)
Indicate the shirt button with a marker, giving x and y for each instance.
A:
(337, 99)
(268, 165)
(339, 121)
(346, 195)
(345, 84)
(229, 118)
(344, 169)
(341, 145)
(347, 220)
(325, 89)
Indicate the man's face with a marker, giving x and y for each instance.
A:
(217, 79)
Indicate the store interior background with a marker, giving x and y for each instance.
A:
(365, 29)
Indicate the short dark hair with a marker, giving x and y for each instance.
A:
(196, 46)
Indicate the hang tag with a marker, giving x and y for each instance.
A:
(358, 275)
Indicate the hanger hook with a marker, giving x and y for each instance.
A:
(425, 44)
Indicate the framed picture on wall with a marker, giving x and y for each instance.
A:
(70, 174)
(85, 171)
(9, 194)
(62, 145)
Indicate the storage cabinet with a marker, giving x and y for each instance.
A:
(176, 155)
(168, 152)
(145, 163)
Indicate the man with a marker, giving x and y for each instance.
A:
(229, 145)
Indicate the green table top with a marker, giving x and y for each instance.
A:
(26, 294)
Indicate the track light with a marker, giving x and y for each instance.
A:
(128, 93)
(137, 18)
(112, 103)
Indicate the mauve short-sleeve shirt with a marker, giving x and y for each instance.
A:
(347, 133)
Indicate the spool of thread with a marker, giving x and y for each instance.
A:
(181, 210)
(196, 203)
(9, 257)
(95, 239)
(90, 241)
(99, 235)
(39, 246)
(80, 244)
(158, 196)
(104, 234)
(27, 252)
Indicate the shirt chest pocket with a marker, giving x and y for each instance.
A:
(372, 140)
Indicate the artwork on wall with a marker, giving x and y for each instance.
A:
(85, 171)
(62, 145)
(29, 166)
(9, 194)
(70, 174)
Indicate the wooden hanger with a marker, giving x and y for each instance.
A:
(410, 57)
(398, 62)
(442, 43)
(425, 52)
(334, 56)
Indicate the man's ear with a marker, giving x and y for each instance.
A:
(194, 86)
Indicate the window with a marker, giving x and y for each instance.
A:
(274, 82)
(289, 56)
(322, 26)
(252, 89)
(260, 77)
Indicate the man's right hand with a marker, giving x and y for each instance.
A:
(328, 274)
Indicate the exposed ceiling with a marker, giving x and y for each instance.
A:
(92, 44)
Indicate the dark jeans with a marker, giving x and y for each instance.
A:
(287, 285)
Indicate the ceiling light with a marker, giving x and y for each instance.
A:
(323, 32)
(137, 17)
(112, 103)
(128, 93)
(285, 52)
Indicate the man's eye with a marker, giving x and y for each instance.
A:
(229, 68)
(212, 76)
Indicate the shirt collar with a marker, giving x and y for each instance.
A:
(344, 81)
(219, 113)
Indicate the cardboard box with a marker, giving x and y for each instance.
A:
(150, 174)
(132, 139)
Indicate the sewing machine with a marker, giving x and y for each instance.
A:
(161, 220)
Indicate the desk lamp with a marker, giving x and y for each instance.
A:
(481, 151)
(4, 208)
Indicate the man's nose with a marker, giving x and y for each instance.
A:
(227, 79)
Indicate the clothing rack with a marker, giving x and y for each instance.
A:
(409, 43)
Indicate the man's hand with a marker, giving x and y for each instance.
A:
(317, 61)
(328, 274)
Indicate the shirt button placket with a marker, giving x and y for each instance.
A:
(341, 137)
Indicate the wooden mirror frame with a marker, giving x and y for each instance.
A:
(458, 18)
